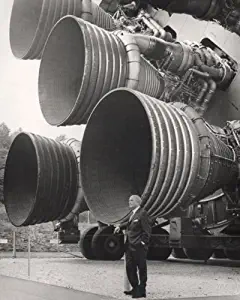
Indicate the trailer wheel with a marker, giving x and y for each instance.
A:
(198, 253)
(156, 252)
(178, 253)
(106, 245)
(232, 254)
(86, 242)
(219, 254)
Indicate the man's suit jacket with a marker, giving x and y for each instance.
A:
(138, 229)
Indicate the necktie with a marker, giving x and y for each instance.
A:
(130, 219)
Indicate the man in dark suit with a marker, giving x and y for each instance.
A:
(138, 232)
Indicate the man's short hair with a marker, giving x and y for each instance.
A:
(137, 198)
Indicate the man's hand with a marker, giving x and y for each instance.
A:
(117, 229)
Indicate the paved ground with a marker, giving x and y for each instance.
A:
(20, 289)
(172, 279)
(209, 298)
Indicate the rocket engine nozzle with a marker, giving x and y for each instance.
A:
(135, 144)
(41, 181)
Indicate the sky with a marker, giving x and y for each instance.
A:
(19, 104)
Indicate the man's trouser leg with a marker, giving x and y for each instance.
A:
(127, 284)
(141, 260)
(131, 268)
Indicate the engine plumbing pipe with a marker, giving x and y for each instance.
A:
(135, 144)
(32, 21)
(81, 63)
(185, 57)
(223, 12)
(203, 9)
(110, 6)
(41, 181)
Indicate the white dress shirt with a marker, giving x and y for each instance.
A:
(133, 212)
(132, 215)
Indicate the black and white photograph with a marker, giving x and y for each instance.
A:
(119, 149)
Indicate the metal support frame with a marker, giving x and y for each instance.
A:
(184, 235)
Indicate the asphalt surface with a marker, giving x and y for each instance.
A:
(20, 289)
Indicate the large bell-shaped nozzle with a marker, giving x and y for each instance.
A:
(81, 63)
(41, 181)
(80, 203)
(135, 144)
(32, 21)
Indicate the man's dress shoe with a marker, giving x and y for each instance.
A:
(129, 293)
(138, 293)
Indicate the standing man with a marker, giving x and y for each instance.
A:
(138, 232)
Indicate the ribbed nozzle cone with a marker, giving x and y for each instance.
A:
(32, 21)
(41, 180)
(135, 144)
(80, 203)
(80, 64)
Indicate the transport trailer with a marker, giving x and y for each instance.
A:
(209, 229)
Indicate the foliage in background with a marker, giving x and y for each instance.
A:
(15, 133)
(6, 138)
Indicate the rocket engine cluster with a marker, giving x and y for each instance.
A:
(142, 94)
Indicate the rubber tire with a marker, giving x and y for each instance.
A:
(232, 254)
(198, 253)
(86, 242)
(157, 253)
(219, 254)
(178, 253)
(102, 240)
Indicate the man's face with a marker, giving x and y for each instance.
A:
(133, 202)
